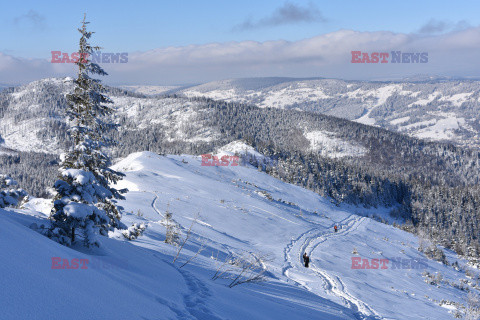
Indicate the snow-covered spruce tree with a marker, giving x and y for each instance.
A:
(84, 198)
(9, 195)
(172, 234)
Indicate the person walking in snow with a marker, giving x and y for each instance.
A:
(335, 228)
(306, 259)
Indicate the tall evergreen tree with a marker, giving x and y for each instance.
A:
(85, 200)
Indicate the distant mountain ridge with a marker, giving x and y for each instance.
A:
(438, 109)
(5, 86)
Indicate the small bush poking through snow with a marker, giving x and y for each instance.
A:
(430, 250)
(9, 196)
(436, 253)
(434, 280)
(135, 231)
(172, 234)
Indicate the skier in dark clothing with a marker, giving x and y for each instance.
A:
(335, 228)
(306, 259)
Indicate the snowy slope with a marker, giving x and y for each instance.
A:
(239, 210)
(329, 146)
(238, 148)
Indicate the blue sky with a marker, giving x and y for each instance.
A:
(32, 29)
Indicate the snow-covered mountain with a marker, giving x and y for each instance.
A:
(32, 114)
(4, 86)
(28, 111)
(150, 90)
(445, 110)
(241, 212)
(33, 119)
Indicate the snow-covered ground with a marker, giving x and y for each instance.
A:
(328, 145)
(239, 148)
(241, 211)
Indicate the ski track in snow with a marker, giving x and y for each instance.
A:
(331, 284)
(198, 236)
(153, 205)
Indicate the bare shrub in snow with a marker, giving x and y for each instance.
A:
(240, 269)
(187, 236)
(200, 249)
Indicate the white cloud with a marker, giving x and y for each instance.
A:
(327, 55)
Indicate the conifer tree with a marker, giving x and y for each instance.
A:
(171, 235)
(84, 198)
(9, 195)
